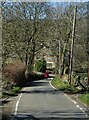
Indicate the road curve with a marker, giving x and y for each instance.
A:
(40, 101)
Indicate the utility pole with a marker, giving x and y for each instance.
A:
(59, 59)
(69, 52)
(72, 45)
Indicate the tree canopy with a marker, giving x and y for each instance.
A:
(28, 27)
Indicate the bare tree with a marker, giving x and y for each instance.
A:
(21, 27)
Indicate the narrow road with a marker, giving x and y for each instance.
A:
(40, 101)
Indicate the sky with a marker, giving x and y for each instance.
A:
(69, 0)
(45, 0)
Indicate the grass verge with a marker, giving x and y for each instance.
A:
(13, 92)
(66, 88)
(84, 98)
(59, 84)
(63, 85)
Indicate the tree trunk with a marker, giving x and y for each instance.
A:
(31, 58)
(63, 61)
(57, 65)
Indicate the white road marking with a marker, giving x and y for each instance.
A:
(86, 115)
(70, 99)
(17, 104)
(77, 106)
(74, 102)
(83, 111)
(80, 108)
(52, 85)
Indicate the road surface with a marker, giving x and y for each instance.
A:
(41, 101)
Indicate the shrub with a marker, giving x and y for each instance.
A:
(40, 65)
(15, 89)
(15, 73)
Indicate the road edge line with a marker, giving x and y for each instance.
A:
(17, 104)
(69, 99)
(52, 85)
(77, 105)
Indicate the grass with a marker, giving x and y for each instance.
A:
(15, 90)
(63, 86)
(12, 92)
(84, 98)
(59, 84)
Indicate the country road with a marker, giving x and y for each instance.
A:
(41, 101)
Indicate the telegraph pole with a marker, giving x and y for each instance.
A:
(72, 45)
(59, 59)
